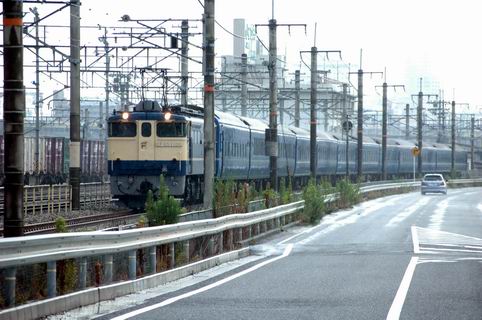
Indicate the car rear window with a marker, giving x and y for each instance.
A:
(432, 178)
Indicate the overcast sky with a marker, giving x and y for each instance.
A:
(407, 37)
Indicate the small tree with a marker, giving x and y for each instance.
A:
(349, 194)
(164, 210)
(314, 203)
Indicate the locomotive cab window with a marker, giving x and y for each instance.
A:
(171, 129)
(146, 129)
(122, 129)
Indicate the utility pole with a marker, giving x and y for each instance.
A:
(107, 96)
(419, 128)
(297, 98)
(420, 125)
(359, 160)
(313, 96)
(443, 115)
(359, 153)
(313, 103)
(472, 137)
(384, 132)
(384, 125)
(37, 93)
(244, 84)
(452, 166)
(407, 121)
(438, 108)
(74, 170)
(209, 138)
(271, 135)
(345, 93)
(184, 61)
(13, 110)
(281, 110)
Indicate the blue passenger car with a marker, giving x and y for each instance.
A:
(327, 157)
(234, 143)
(258, 160)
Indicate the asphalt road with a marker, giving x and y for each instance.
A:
(400, 257)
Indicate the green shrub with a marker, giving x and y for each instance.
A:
(142, 221)
(270, 198)
(314, 203)
(326, 187)
(164, 210)
(286, 193)
(243, 198)
(66, 276)
(224, 197)
(61, 225)
(349, 194)
(66, 269)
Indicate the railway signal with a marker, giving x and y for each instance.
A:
(415, 153)
(347, 126)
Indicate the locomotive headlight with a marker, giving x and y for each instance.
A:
(125, 115)
(167, 116)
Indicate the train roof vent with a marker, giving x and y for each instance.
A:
(147, 105)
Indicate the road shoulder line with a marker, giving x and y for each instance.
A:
(397, 304)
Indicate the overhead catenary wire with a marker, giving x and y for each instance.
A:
(222, 27)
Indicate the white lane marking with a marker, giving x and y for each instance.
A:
(437, 219)
(416, 244)
(473, 247)
(169, 301)
(479, 206)
(342, 218)
(407, 212)
(364, 209)
(452, 250)
(296, 235)
(397, 304)
(443, 237)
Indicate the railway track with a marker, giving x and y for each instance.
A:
(80, 223)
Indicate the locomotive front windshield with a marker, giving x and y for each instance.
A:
(122, 129)
(171, 129)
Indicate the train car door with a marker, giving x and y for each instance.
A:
(146, 139)
(190, 150)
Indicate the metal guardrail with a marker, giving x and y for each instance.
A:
(224, 233)
(35, 249)
(17, 253)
